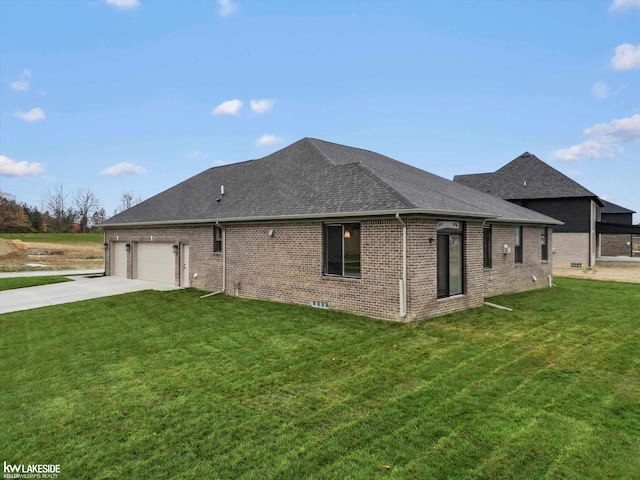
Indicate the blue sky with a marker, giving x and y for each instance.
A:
(138, 95)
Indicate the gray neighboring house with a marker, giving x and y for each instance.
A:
(332, 226)
(531, 183)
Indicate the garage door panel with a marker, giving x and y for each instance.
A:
(156, 262)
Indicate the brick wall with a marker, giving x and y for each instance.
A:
(615, 245)
(202, 260)
(570, 248)
(506, 276)
(288, 266)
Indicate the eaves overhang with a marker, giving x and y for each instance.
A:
(314, 216)
(529, 221)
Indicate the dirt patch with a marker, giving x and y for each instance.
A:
(16, 256)
(607, 273)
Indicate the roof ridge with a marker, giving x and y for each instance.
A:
(378, 179)
(313, 140)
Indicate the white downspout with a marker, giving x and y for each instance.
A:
(403, 282)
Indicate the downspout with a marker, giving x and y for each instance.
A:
(403, 282)
(224, 264)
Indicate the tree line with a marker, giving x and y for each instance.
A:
(60, 212)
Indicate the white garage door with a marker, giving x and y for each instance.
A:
(119, 260)
(156, 262)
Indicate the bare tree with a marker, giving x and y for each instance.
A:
(55, 201)
(127, 200)
(98, 216)
(85, 203)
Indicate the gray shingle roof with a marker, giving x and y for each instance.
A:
(313, 178)
(525, 178)
(613, 208)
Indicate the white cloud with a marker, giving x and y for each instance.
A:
(123, 168)
(606, 140)
(600, 90)
(618, 130)
(227, 7)
(230, 107)
(33, 115)
(11, 168)
(627, 57)
(625, 4)
(266, 140)
(22, 85)
(124, 3)
(261, 106)
(219, 163)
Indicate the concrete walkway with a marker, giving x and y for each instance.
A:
(51, 273)
(82, 288)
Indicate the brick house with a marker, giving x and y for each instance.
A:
(531, 183)
(322, 224)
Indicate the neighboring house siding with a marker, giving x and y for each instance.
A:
(615, 245)
(505, 276)
(574, 212)
(624, 218)
(288, 266)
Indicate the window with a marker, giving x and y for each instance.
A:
(217, 239)
(450, 258)
(544, 241)
(342, 250)
(486, 246)
(518, 244)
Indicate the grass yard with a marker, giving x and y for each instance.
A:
(55, 237)
(22, 282)
(167, 385)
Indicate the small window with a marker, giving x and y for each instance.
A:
(486, 246)
(342, 250)
(217, 239)
(544, 240)
(518, 244)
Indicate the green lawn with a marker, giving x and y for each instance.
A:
(168, 385)
(22, 282)
(55, 237)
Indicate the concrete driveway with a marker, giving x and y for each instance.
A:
(81, 288)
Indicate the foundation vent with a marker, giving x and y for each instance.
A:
(576, 265)
(319, 304)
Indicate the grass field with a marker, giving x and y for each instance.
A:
(22, 282)
(167, 385)
(55, 237)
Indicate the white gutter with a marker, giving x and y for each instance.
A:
(408, 211)
(403, 282)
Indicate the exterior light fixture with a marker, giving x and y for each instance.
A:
(127, 247)
(271, 232)
(347, 234)
(431, 240)
(175, 249)
(105, 247)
